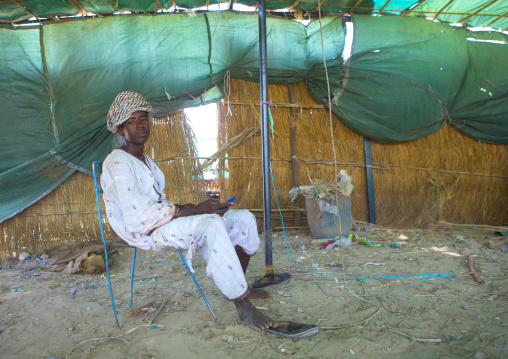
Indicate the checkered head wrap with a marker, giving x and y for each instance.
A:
(125, 104)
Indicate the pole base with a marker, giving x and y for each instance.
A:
(272, 279)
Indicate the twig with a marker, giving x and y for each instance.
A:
(416, 339)
(350, 325)
(442, 171)
(116, 336)
(427, 340)
(376, 227)
(158, 311)
(473, 272)
(475, 226)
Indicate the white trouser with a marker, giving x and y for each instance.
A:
(216, 237)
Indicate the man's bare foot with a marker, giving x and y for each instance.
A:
(258, 294)
(251, 317)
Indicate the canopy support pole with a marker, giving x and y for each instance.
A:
(370, 180)
(265, 139)
(269, 276)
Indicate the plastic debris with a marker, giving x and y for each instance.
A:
(344, 242)
(72, 291)
(396, 245)
(149, 280)
(103, 276)
(377, 244)
(359, 239)
(326, 244)
(24, 256)
(374, 264)
(367, 229)
(17, 290)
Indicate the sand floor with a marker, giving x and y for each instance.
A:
(437, 318)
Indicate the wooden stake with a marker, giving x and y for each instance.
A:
(294, 153)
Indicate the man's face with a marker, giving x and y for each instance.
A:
(136, 129)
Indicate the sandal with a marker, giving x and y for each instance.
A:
(294, 330)
(279, 278)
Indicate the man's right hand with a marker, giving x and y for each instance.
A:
(211, 206)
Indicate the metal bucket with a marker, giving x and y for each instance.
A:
(327, 225)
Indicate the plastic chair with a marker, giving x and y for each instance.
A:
(97, 171)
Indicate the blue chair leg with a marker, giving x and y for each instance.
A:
(197, 285)
(110, 288)
(96, 169)
(132, 275)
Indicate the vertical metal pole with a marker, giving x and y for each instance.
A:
(370, 180)
(265, 140)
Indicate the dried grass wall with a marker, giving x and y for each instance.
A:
(68, 215)
(445, 176)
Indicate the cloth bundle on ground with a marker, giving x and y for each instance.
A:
(86, 260)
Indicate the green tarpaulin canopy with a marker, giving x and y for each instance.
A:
(405, 78)
(470, 12)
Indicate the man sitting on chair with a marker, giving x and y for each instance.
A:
(133, 188)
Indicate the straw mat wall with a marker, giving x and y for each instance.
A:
(445, 176)
(68, 215)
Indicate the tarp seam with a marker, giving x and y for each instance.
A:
(50, 88)
(209, 45)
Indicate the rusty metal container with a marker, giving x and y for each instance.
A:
(325, 225)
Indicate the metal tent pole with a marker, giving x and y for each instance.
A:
(265, 140)
(269, 276)
(370, 180)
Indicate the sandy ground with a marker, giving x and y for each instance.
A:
(39, 318)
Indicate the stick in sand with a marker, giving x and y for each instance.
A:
(473, 272)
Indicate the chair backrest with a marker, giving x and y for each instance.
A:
(97, 171)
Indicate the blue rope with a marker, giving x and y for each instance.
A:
(430, 275)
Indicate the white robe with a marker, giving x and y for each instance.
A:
(136, 205)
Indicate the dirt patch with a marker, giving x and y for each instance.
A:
(50, 314)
